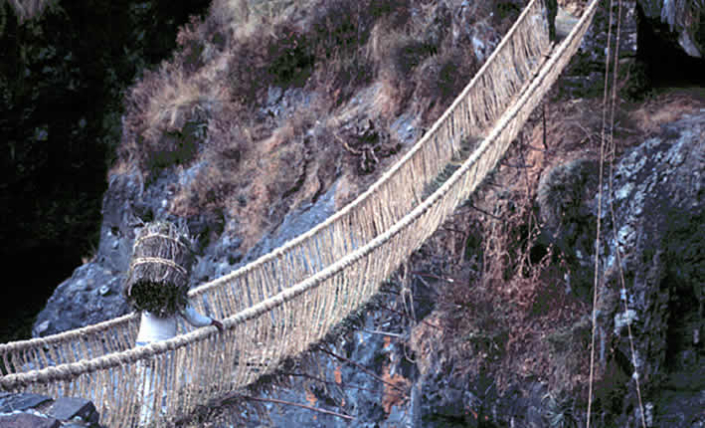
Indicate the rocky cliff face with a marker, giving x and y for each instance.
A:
(680, 22)
(658, 231)
(211, 174)
(649, 51)
(62, 77)
(129, 197)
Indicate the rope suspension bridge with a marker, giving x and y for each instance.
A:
(280, 304)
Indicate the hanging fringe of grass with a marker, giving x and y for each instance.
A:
(158, 277)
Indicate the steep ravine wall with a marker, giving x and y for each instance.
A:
(62, 78)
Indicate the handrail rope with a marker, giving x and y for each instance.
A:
(496, 158)
(40, 342)
(282, 251)
(549, 71)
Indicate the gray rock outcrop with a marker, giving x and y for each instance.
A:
(660, 231)
(26, 410)
(94, 291)
(660, 234)
(685, 20)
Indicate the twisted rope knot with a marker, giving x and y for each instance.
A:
(158, 260)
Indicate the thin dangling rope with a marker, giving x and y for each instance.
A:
(596, 282)
(618, 259)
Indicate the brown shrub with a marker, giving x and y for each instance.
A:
(337, 34)
(217, 65)
(439, 80)
(395, 54)
(199, 42)
(166, 117)
(218, 176)
(228, 15)
(396, 388)
(258, 173)
(420, 61)
(325, 47)
(204, 108)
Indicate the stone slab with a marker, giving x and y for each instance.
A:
(67, 408)
(23, 401)
(25, 420)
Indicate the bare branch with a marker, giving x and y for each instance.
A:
(361, 367)
(232, 397)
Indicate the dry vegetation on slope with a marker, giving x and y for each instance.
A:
(271, 102)
(511, 306)
(502, 309)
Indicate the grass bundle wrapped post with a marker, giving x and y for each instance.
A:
(159, 270)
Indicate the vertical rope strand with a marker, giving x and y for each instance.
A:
(618, 259)
(599, 217)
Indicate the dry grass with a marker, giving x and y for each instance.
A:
(506, 312)
(421, 60)
(668, 106)
(256, 165)
(161, 106)
(395, 390)
(339, 64)
(503, 309)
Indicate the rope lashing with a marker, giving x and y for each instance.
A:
(141, 239)
(158, 260)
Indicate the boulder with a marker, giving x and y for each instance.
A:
(27, 420)
(26, 410)
(659, 231)
(685, 21)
